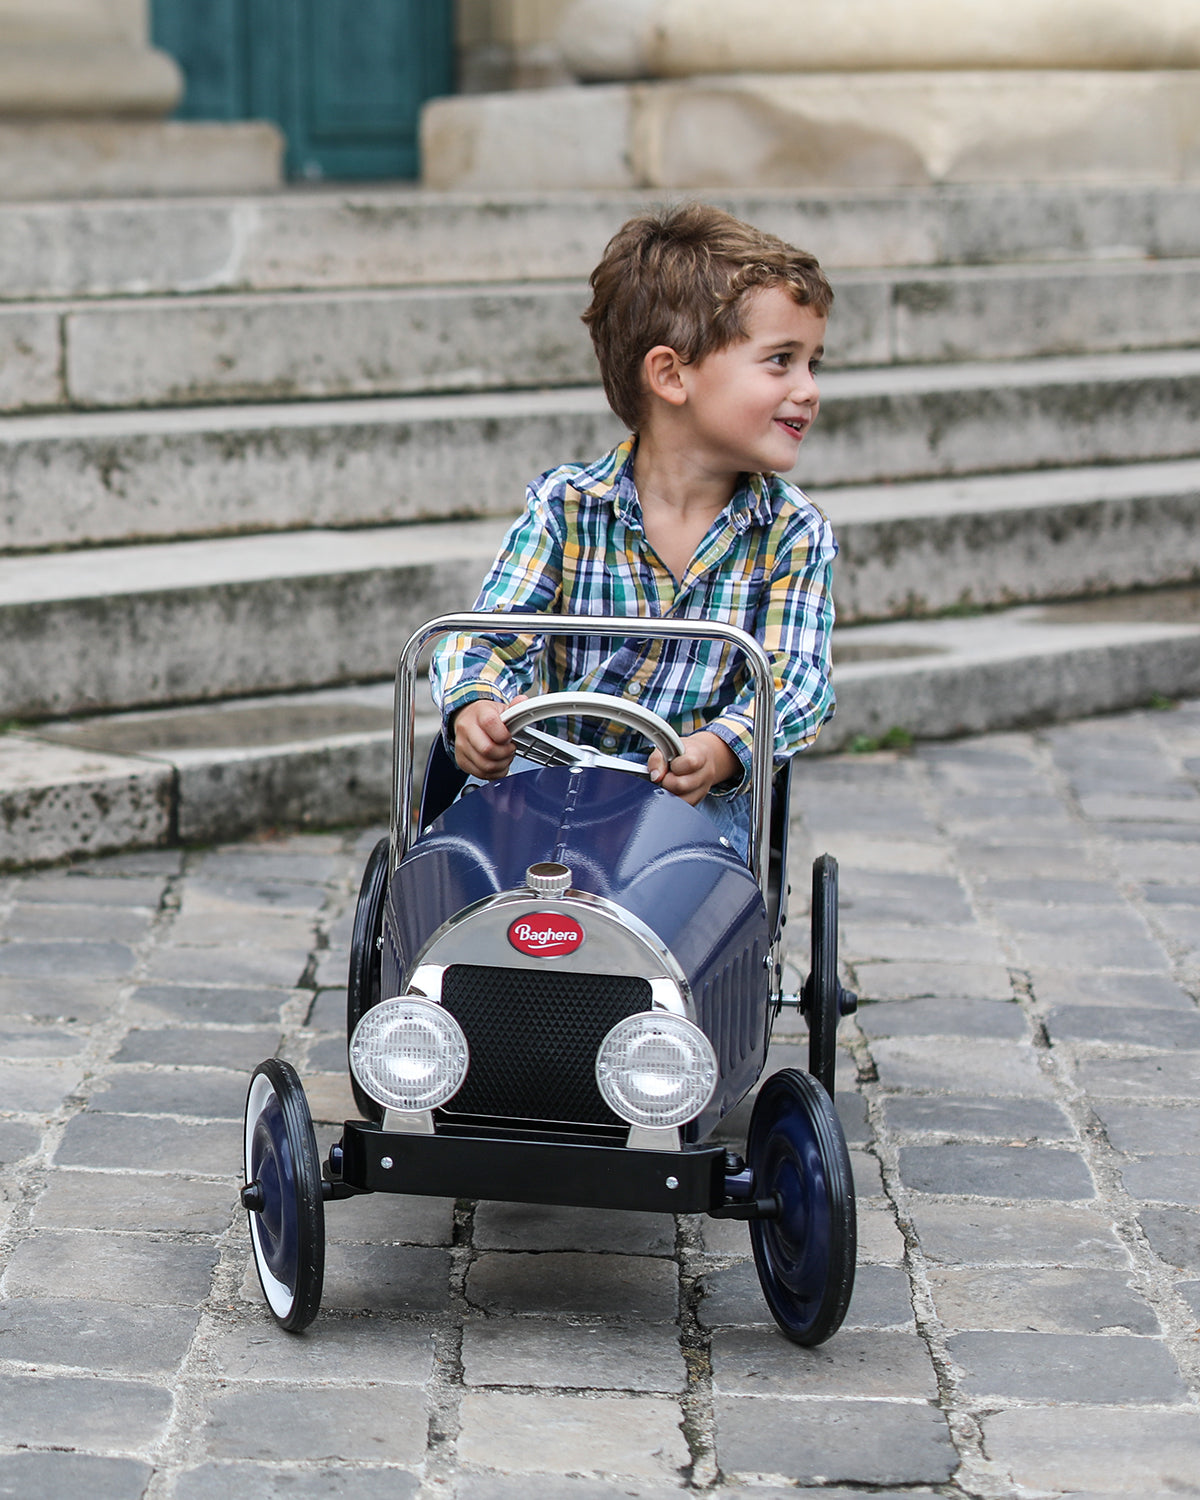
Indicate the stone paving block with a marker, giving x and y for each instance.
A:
(25, 1040)
(880, 852)
(1019, 861)
(210, 1093)
(111, 1268)
(153, 1202)
(1190, 1292)
(537, 1352)
(1019, 1300)
(205, 895)
(639, 1435)
(1088, 1368)
(390, 1219)
(996, 1171)
(1054, 936)
(334, 1349)
(964, 1018)
(99, 1415)
(217, 1005)
(1171, 895)
(1068, 987)
(328, 1012)
(634, 1287)
(1151, 861)
(56, 959)
(46, 923)
(37, 1088)
(82, 887)
(1180, 926)
(815, 1442)
(377, 1423)
(572, 1487)
(1049, 891)
(860, 943)
(973, 1065)
(49, 1476)
(260, 1482)
(916, 981)
(1003, 816)
(198, 1046)
(17, 1140)
(1005, 1119)
(95, 1140)
(56, 1000)
(384, 1278)
(1164, 1179)
(920, 900)
(119, 1339)
(287, 864)
(1163, 1076)
(1143, 1026)
(330, 1098)
(243, 966)
(760, 1362)
(1174, 1235)
(732, 1297)
(241, 929)
(536, 1226)
(1113, 1450)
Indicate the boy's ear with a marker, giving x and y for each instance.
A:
(662, 370)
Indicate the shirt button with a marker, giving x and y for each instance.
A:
(634, 689)
(609, 742)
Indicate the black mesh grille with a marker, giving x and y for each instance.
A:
(534, 1035)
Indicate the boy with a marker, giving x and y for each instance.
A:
(709, 334)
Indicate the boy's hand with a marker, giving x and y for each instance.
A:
(706, 762)
(483, 746)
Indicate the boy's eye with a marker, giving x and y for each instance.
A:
(814, 365)
(783, 359)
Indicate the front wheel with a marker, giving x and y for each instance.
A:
(364, 980)
(805, 1256)
(283, 1195)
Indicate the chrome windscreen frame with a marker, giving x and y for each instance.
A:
(477, 623)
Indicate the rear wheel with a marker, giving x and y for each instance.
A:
(283, 1195)
(364, 981)
(822, 993)
(806, 1255)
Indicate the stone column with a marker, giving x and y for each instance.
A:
(83, 100)
(814, 94)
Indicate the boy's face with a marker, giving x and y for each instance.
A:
(750, 405)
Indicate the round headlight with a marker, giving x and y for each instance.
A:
(656, 1069)
(409, 1054)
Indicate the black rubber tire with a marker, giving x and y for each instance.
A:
(806, 1257)
(823, 1007)
(287, 1226)
(364, 978)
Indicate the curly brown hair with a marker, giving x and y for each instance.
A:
(680, 277)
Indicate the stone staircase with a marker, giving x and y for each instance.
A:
(249, 444)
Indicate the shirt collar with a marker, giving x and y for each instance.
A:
(610, 480)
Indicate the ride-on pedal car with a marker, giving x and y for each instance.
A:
(558, 988)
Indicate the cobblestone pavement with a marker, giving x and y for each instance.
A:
(1022, 912)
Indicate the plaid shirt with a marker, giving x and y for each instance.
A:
(580, 548)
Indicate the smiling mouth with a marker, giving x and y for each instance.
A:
(795, 428)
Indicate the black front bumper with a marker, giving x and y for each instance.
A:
(569, 1173)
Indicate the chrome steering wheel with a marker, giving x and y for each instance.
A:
(549, 750)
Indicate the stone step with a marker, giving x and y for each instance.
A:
(193, 621)
(186, 351)
(324, 758)
(84, 478)
(387, 237)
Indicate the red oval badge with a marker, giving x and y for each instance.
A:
(545, 934)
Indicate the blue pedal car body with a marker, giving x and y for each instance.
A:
(558, 988)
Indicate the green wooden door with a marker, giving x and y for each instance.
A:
(344, 79)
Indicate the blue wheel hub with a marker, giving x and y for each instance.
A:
(271, 1167)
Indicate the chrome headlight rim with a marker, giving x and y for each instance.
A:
(656, 1070)
(409, 1054)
